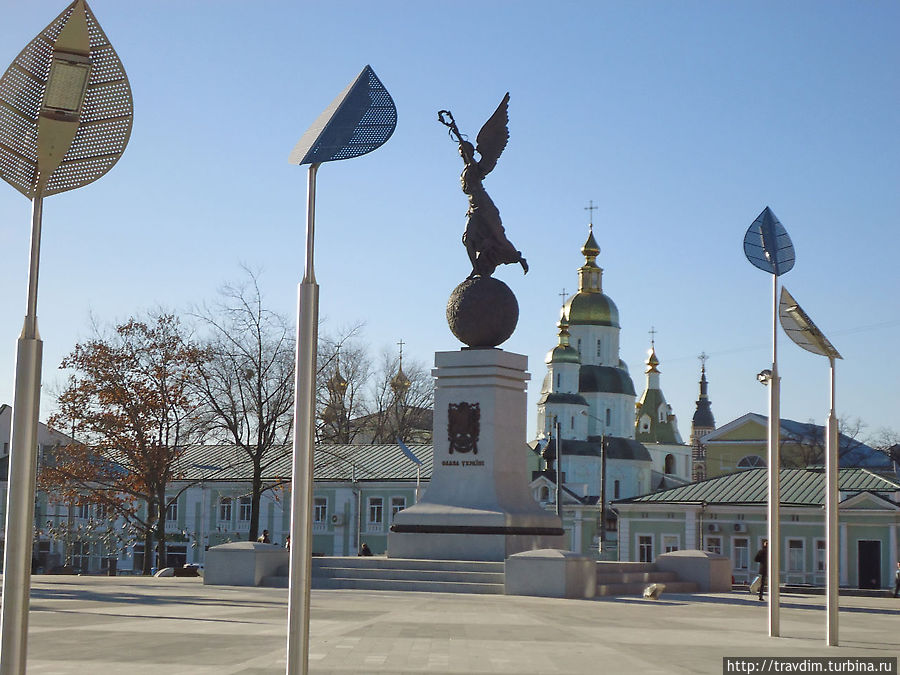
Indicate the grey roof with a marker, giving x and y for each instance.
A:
(617, 448)
(558, 397)
(227, 462)
(799, 487)
(605, 379)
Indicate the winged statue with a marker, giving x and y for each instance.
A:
(484, 238)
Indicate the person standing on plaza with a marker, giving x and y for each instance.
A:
(897, 581)
(762, 557)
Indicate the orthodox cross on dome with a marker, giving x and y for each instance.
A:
(400, 383)
(652, 333)
(590, 209)
(400, 344)
(703, 358)
(563, 295)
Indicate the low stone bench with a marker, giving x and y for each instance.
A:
(243, 563)
(551, 573)
(711, 572)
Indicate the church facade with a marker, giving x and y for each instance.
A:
(608, 444)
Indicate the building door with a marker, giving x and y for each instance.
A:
(869, 563)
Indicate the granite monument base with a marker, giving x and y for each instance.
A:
(478, 505)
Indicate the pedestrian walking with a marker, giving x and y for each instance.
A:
(762, 557)
(897, 581)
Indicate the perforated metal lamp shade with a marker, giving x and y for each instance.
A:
(801, 329)
(32, 90)
(361, 119)
(767, 244)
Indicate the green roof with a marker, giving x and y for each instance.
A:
(799, 487)
(332, 462)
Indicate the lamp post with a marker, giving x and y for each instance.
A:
(361, 119)
(769, 248)
(65, 119)
(801, 329)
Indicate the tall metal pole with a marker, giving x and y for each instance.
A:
(22, 473)
(774, 510)
(558, 469)
(602, 492)
(832, 543)
(304, 444)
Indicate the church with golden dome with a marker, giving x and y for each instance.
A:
(612, 444)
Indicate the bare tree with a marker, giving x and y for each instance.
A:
(400, 402)
(246, 382)
(343, 373)
(887, 441)
(807, 447)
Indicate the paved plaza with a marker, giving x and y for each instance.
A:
(139, 625)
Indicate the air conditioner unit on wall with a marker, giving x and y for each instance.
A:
(337, 518)
(740, 527)
(712, 527)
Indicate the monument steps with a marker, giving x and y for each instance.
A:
(399, 574)
(631, 578)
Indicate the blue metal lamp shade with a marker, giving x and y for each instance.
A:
(768, 246)
(361, 119)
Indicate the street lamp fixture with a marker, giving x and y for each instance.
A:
(361, 119)
(801, 329)
(768, 247)
(65, 119)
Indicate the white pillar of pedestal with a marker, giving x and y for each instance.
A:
(478, 505)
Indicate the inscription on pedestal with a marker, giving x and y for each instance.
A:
(463, 427)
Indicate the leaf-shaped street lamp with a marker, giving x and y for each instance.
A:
(359, 120)
(801, 329)
(769, 248)
(65, 119)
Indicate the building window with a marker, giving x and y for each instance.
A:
(244, 508)
(558, 381)
(820, 555)
(645, 548)
(83, 511)
(598, 348)
(172, 512)
(616, 490)
(670, 543)
(741, 546)
(225, 509)
(795, 555)
(376, 510)
(608, 417)
(645, 423)
(670, 464)
(320, 509)
(714, 545)
(572, 423)
(662, 414)
(397, 505)
(81, 555)
(751, 462)
(544, 494)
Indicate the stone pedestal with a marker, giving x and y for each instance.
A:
(477, 506)
(243, 563)
(551, 573)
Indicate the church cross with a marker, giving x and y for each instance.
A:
(401, 343)
(703, 358)
(563, 295)
(591, 208)
(652, 332)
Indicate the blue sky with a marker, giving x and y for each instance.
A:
(682, 121)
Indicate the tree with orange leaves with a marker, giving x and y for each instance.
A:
(132, 405)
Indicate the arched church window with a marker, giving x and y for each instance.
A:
(598, 347)
(670, 463)
(616, 490)
(608, 417)
(645, 423)
(751, 462)
(558, 380)
(662, 413)
(544, 493)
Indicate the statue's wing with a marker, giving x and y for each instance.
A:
(493, 137)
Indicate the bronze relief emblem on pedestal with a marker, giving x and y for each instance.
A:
(463, 427)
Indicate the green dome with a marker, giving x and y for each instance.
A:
(605, 380)
(563, 354)
(595, 309)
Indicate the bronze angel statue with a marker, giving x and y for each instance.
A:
(485, 239)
